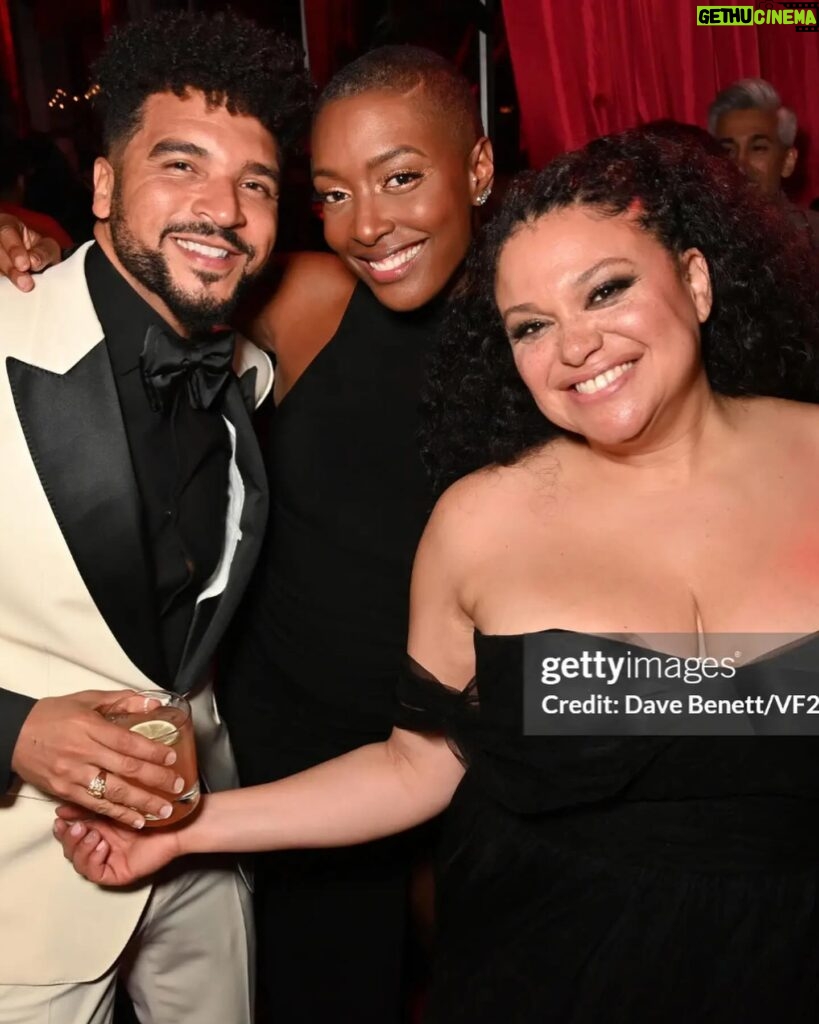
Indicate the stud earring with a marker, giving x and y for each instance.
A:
(481, 197)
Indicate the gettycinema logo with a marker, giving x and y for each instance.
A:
(804, 17)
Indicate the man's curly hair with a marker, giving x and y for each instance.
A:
(232, 60)
(761, 337)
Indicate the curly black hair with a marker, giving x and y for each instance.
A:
(232, 60)
(761, 337)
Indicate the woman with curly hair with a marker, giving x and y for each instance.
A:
(618, 386)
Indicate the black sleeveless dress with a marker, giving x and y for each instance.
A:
(315, 652)
(619, 879)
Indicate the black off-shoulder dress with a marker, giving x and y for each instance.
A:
(636, 879)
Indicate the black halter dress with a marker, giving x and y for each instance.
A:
(316, 651)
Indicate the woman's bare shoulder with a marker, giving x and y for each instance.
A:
(312, 294)
(783, 421)
(476, 505)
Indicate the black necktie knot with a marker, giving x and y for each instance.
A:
(169, 363)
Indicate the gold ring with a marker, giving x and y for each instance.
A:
(96, 787)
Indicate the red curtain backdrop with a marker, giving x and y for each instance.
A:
(331, 36)
(587, 67)
(106, 17)
(8, 60)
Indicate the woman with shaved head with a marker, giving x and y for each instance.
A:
(400, 165)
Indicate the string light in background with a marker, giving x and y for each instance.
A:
(61, 97)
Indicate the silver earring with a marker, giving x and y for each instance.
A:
(481, 197)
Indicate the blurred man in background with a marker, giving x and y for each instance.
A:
(758, 133)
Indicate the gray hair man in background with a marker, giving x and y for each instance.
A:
(758, 133)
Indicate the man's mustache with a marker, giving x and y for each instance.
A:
(207, 230)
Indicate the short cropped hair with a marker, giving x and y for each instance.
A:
(401, 69)
(232, 60)
(762, 334)
(754, 94)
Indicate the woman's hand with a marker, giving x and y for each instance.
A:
(109, 854)
(23, 252)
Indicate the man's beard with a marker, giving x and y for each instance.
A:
(195, 313)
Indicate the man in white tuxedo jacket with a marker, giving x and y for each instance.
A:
(133, 507)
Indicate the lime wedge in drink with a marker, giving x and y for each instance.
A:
(157, 729)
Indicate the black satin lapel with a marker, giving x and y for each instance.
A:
(209, 623)
(247, 388)
(74, 430)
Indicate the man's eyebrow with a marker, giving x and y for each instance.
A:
(376, 161)
(177, 146)
(756, 137)
(171, 146)
(265, 170)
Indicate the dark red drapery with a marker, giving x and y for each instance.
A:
(8, 59)
(587, 67)
(106, 17)
(330, 36)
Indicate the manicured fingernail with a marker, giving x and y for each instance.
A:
(100, 846)
(35, 261)
(165, 811)
(179, 784)
(92, 838)
(25, 282)
(139, 823)
(78, 829)
(170, 757)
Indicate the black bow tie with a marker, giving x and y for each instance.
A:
(203, 366)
